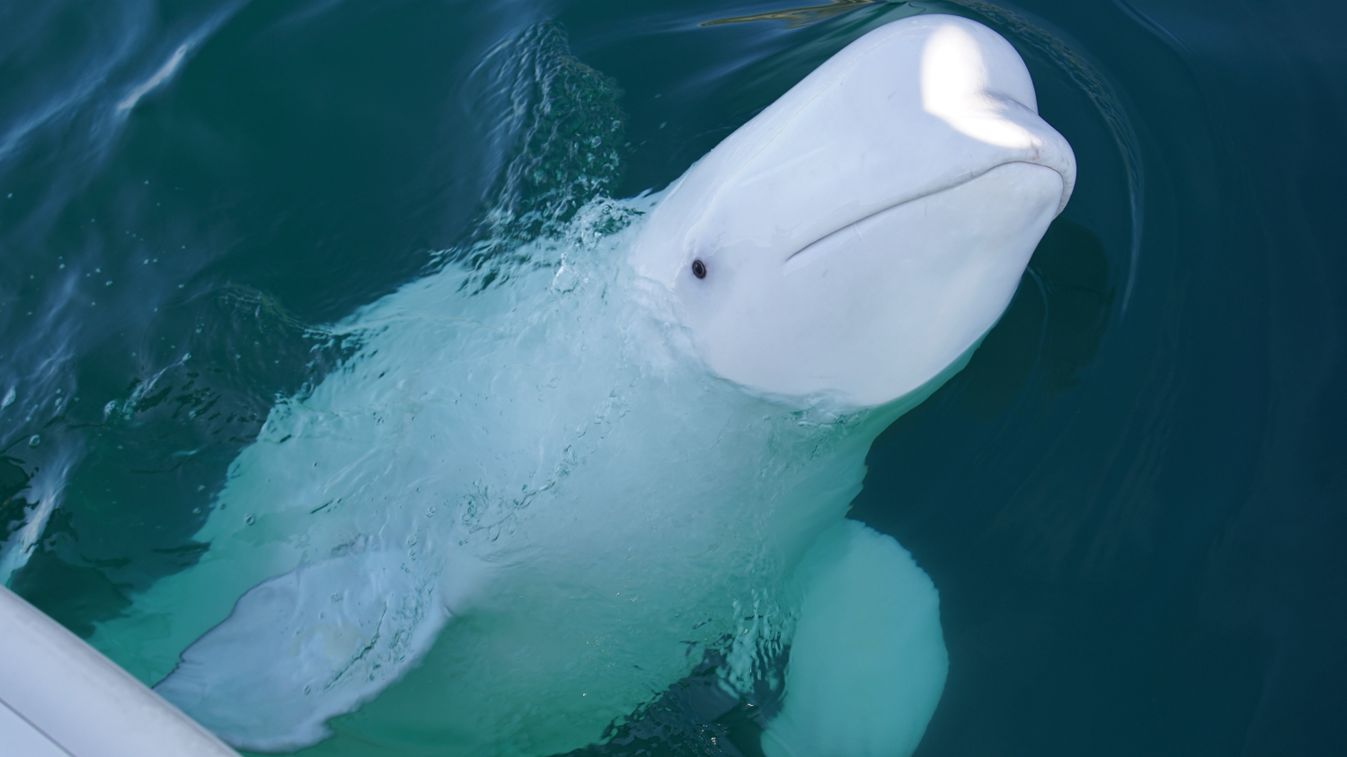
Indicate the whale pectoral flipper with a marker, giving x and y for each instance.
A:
(304, 647)
(867, 662)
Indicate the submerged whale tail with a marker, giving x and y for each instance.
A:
(867, 663)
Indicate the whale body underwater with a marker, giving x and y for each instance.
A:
(524, 508)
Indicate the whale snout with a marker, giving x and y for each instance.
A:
(972, 83)
(1012, 132)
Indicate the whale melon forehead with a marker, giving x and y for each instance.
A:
(860, 235)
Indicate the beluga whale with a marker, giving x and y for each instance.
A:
(530, 502)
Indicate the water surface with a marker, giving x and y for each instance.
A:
(1131, 501)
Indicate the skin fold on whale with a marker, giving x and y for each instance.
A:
(521, 511)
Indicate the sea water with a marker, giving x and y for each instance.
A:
(1130, 501)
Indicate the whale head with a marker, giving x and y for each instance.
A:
(861, 234)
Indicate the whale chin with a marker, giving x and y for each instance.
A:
(1037, 178)
(911, 289)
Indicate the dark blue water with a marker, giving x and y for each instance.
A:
(1132, 501)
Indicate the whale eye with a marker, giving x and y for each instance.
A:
(699, 268)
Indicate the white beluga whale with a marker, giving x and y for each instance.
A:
(524, 508)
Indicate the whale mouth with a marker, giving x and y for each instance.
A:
(878, 220)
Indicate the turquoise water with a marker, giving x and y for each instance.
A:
(1131, 501)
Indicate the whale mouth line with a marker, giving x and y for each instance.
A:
(962, 180)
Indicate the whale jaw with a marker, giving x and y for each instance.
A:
(937, 297)
(858, 236)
